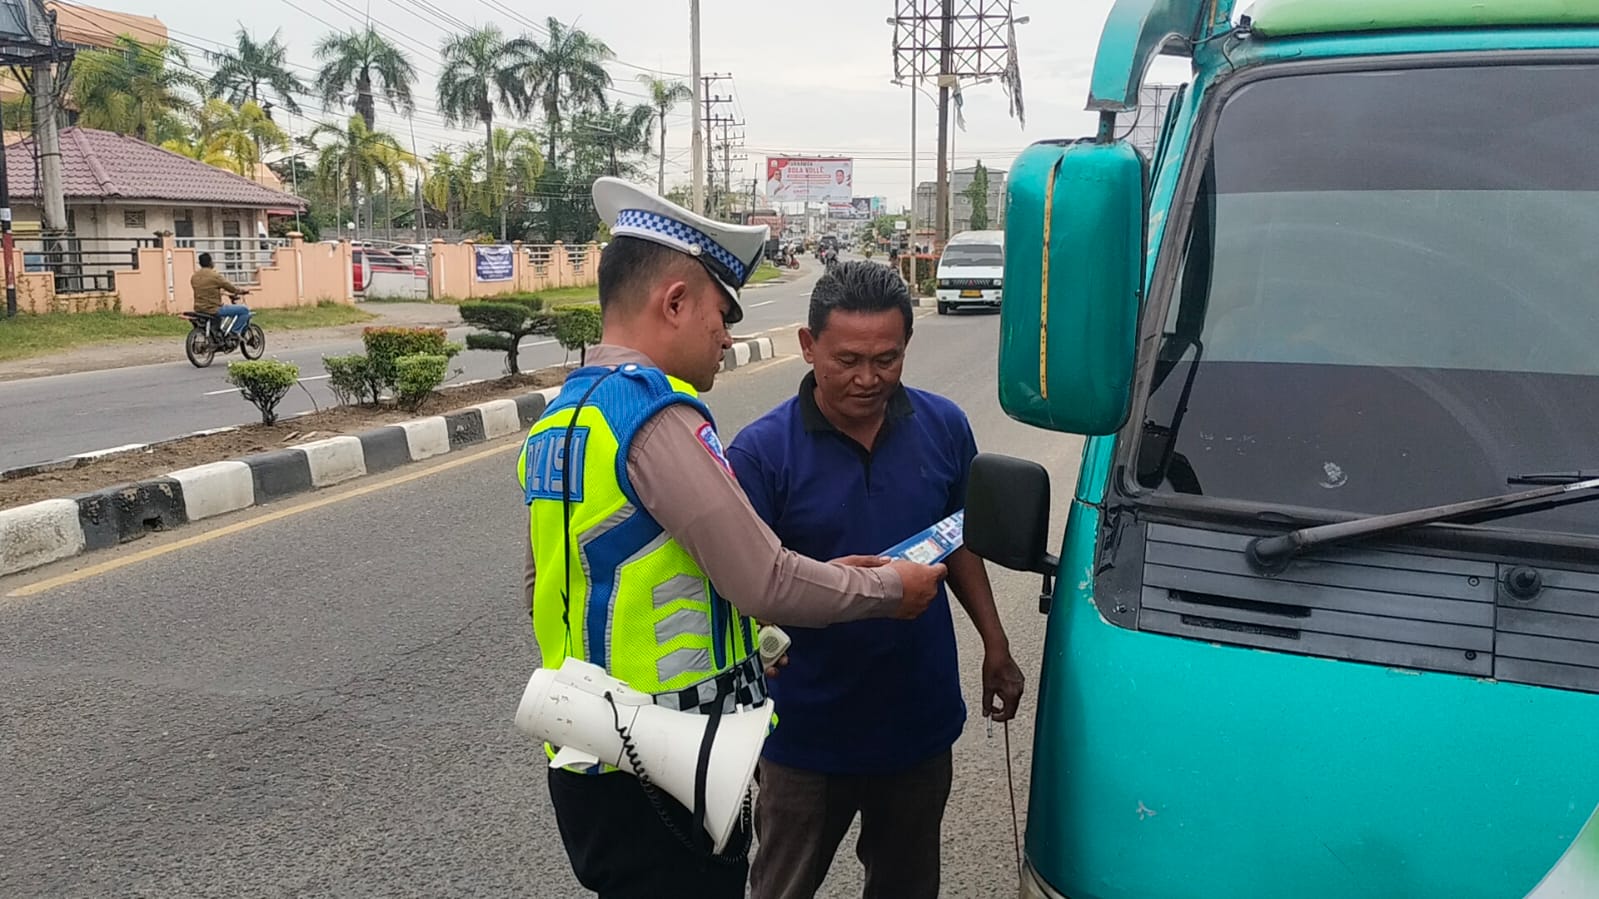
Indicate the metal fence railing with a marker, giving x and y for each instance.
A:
(239, 259)
(81, 264)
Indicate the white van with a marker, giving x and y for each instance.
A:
(972, 270)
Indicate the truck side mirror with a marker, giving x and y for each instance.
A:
(1007, 513)
(1074, 260)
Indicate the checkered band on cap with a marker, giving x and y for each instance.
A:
(719, 258)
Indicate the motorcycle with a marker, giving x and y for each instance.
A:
(206, 338)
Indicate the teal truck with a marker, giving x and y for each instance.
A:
(1325, 618)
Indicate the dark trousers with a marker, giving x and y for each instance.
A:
(620, 848)
(802, 816)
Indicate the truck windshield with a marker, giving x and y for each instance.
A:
(1389, 296)
(972, 255)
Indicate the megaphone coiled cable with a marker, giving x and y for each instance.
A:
(654, 797)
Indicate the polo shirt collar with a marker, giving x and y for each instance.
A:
(899, 405)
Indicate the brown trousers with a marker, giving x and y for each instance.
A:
(802, 816)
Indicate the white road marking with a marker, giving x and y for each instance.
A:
(762, 303)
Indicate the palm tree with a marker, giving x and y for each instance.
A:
(449, 186)
(230, 138)
(357, 156)
(663, 96)
(133, 88)
(352, 61)
(244, 72)
(519, 168)
(566, 70)
(482, 68)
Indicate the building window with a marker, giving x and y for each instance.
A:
(133, 218)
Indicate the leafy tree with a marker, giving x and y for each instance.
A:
(362, 65)
(134, 88)
(664, 95)
(578, 327)
(504, 324)
(482, 70)
(264, 383)
(245, 72)
(566, 71)
(977, 194)
(615, 132)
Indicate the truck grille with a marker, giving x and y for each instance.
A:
(1400, 609)
(968, 283)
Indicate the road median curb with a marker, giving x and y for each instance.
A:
(54, 529)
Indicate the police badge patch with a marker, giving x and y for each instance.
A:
(713, 445)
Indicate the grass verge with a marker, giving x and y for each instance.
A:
(766, 272)
(30, 335)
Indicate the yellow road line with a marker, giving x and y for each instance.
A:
(237, 527)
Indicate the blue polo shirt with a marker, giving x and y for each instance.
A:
(876, 696)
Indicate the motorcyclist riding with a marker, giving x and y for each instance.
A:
(208, 286)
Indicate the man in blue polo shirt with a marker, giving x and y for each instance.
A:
(852, 465)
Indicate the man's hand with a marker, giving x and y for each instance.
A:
(1002, 684)
(861, 561)
(920, 583)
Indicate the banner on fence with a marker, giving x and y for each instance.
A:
(494, 263)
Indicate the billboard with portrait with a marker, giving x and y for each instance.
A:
(809, 179)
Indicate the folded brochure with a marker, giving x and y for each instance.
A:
(933, 544)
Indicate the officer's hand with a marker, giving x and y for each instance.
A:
(921, 586)
(776, 668)
(861, 561)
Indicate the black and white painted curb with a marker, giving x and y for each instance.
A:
(54, 529)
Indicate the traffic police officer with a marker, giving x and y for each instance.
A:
(645, 556)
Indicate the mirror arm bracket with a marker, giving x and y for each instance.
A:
(1046, 595)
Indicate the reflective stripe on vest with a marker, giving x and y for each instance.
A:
(635, 601)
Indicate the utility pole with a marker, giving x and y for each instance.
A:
(945, 77)
(697, 175)
(46, 131)
(5, 230)
(707, 118)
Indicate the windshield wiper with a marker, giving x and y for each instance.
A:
(1552, 477)
(1272, 554)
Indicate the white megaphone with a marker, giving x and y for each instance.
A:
(566, 707)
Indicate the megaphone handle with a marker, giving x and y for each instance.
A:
(654, 797)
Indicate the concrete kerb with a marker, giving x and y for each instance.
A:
(55, 529)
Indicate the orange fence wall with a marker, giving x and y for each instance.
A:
(300, 274)
(534, 267)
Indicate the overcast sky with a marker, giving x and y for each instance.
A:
(812, 80)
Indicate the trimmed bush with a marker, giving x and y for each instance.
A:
(417, 376)
(578, 328)
(504, 324)
(352, 379)
(928, 286)
(385, 346)
(264, 382)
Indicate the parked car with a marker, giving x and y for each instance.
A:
(380, 273)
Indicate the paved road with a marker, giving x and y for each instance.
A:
(315, 699)
(54, 417)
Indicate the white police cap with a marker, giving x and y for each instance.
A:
(729, 252)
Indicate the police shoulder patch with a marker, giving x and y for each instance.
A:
(713, 445)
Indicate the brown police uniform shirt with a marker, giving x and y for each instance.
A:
(208, 287)
(700, 504)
